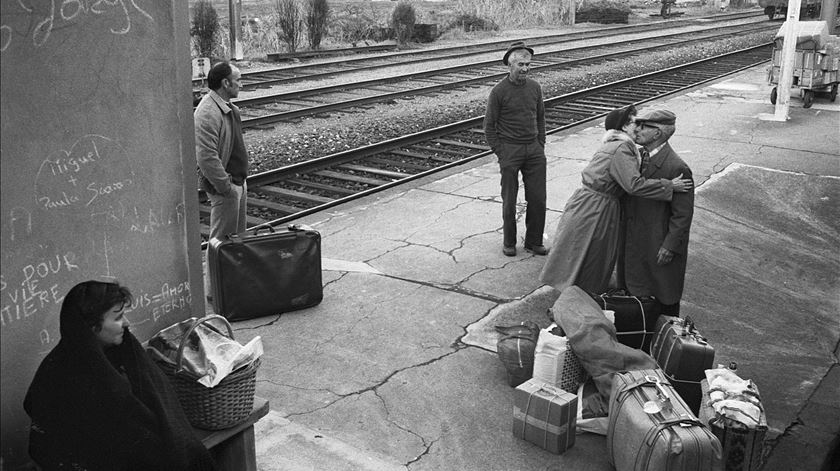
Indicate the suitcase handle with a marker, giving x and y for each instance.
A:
(257, 229)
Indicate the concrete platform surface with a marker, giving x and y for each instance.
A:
(396, 368)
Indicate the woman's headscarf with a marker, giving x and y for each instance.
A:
(616, 119)
(106, 410)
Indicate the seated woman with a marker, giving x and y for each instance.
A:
(586, 241)
(98, 402)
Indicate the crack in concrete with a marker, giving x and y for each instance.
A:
(259, 326)
(452, 288)
(340, 277)
(421, 455)
(373, 388)
(426, 445)
(755, 228)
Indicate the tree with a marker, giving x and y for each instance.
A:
(402, 20)
(205, 25)
(317, 14)
(289, 23)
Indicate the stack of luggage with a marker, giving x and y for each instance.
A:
(653, 391)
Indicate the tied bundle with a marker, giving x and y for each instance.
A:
(734, 398)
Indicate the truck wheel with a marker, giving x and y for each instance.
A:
(770, 12)
(833, 93)
(809, 98)
(773, 96)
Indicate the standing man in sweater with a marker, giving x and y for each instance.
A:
(221, 153)
(514, 126)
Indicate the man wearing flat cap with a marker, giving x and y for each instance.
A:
(514, 126)
(656, 235)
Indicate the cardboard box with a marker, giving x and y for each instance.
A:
(544, 415)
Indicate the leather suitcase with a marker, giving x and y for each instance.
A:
(635, 317)
(265, 272)
(684, 355)
(651, 428)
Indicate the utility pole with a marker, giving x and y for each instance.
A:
(235, 14)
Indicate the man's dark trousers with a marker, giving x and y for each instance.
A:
(530, 160)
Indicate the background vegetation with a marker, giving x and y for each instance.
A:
(271, 26)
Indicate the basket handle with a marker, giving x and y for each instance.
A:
(186, 336)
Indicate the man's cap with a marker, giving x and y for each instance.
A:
(656, 117)
(515, 47)
(616, 119)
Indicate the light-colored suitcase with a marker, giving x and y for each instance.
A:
(651, 428)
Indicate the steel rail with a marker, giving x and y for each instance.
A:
(746, 58)
(453, 84)
(489, 46)
(273, 176)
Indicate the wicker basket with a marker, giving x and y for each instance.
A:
(223, 406)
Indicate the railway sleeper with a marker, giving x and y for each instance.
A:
(280, 192)
(468, 145)
(347, 177)
(402, 164)
(320, 186)
(375, 171)
(276, 207)
(440, 150)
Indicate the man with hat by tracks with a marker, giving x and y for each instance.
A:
(656, 235)
(514, 126)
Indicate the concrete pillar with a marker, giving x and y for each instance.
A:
(786, 71)
(829, 15)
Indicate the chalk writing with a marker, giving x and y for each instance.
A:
(93, 173)
(49, 15)
(20, 220)
(37, 291)
(142, 220)
(169, 299)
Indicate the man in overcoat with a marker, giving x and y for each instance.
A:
(656, 234)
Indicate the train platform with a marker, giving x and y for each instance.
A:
(396, 369)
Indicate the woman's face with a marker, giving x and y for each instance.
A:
(113, 323)
(630, 127)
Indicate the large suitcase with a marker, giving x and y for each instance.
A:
(635, 317)
(684, 355)
(651, 428)
(265, 272)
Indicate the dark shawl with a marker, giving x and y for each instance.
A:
(111, 411)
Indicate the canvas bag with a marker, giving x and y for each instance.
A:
(515, 348)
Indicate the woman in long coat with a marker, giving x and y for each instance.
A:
(586, 241)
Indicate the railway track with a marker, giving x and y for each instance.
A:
(325, 69)
(267, 110)
(304, 188)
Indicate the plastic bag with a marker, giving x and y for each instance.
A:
(209, 355)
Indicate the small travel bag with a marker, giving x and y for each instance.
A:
(651, 428)
(515, 348)
(261, 274)
(743, 444)
(684, 355)
(635, 317)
